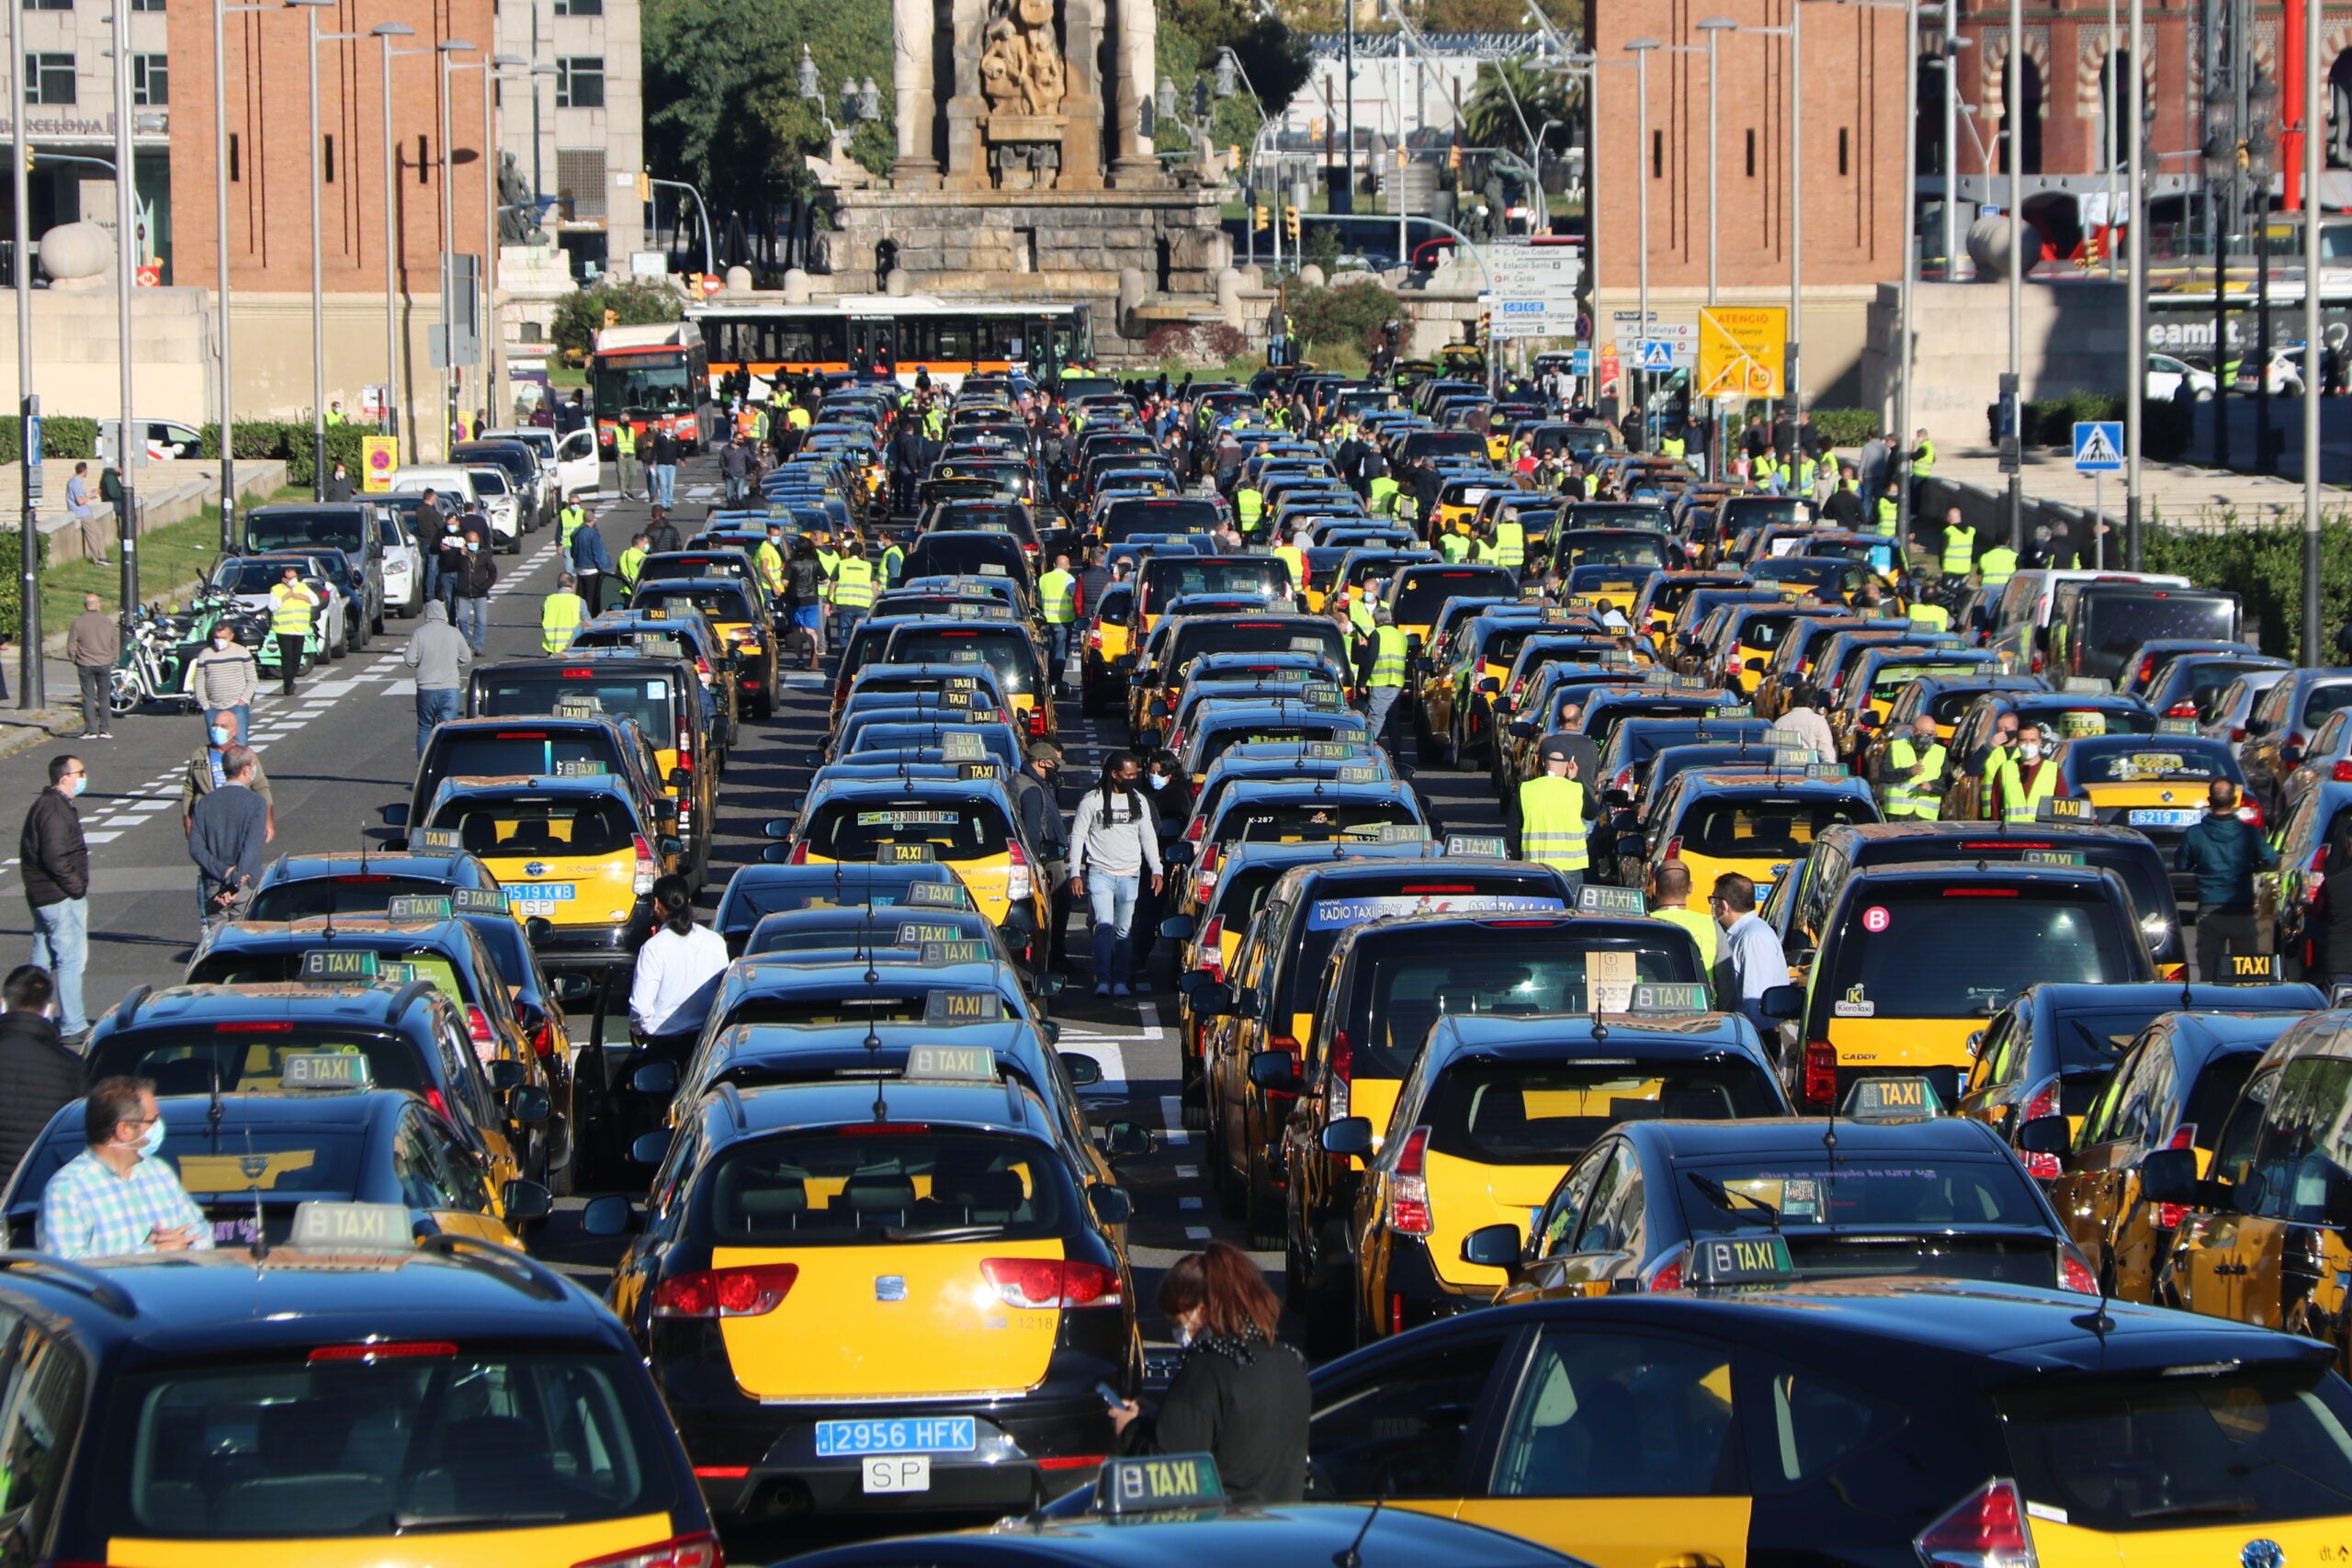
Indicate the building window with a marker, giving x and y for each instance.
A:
(49, 5)
(48, 78)
(146, 4)
(1842, 149)
(579, 7)
(151, 80)
(580, 81)
(236, 171)
(1751, 154)
(1657, 154)
(326, 160)
(580, 181)
(424, 161)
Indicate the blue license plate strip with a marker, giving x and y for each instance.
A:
(908, 1435)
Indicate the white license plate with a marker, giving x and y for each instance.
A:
(2164, 816)
(895, 1472)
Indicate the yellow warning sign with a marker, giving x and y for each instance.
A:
(380, 455)
(1741, 351)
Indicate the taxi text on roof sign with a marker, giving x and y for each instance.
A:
(1592, 900)
(1669, 996)
(1170, 1481)
(1741, 1261)
(945, 895)
(436, 838)
(335, 965)
(941, 1007)
(417, 906)
(955, 951)
(323, 1069)
(915, 934)
(2249, 969)
(1476, 844)
(903, 854)
(1892, 1099)
(370, 1227)
(957, 1064)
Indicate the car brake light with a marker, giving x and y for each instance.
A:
(478, 1027)
(1212, 948)
(1018, 883)
(394, 1350)
(2237, 732)
(543, 1039)
(433, 1098)
(2042, 1101)
(1037, 724)
(2147, 667)
(1193, 831)
(2073, 1274)
(2181, 710)
(645, 866)
(2250, 813)
(799, 854)
(2170, 1215)
(699, 1550)
(1987, 1530)
(1667, 1275)
(1674, 847)
(753, 1290)
(1409, 1192)
(1052, 1282)
(1818, 1081)
(282, 1027)
(1343, 1072)
(1204, 878)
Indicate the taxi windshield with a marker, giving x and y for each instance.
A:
(2166, 760)
(2149, 1452)
(558, 827)
(955, 829)
(851, 1186)
(1314, 822)
(240, 1058)
(645, 699)
(458, 1440)
(1868, 1191)
(1746, 830)
(1991, 941)
(1499, 1113)
(1422, 597)
(1008, 651)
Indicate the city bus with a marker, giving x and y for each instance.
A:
(654, 376)
(863, 332)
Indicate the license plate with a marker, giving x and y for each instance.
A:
(893, 1473)
(541, 898)
(913, 1435)
(2164, 816)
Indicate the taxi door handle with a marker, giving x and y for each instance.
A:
(1691, 1560)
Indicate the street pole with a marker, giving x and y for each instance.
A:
(127, 442)
(1793, 355)
(318, 266)
(1903, 520)
(32, 691)
(2135, 299)
(1348, 64)
(2110, 153)
(2315, 158)
(494, 354)
(1641, 47)
(389, 417)
(1950, 59)
(1715, 28)
(228, 421)
(449, 406)
(2013, 95)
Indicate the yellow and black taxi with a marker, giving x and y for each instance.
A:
(1791, 664)
(1915, 957)
(577, 853)
(1935, 1423)
(1417, 592)
(575, 745)
(350, 1400)
(967, 824)
(325, 1134)
(739, 611)
(1389, 981)
(364, 882)
(661, 696)
(943, 685)
(1756, 824)
(2263, 1238)
(1463, 678)
(885, 1294)
(1737, 641)
(1493, 1113)
(1106, 652)
(1998, 713)
(2052, 1051)
(1946, 701)
(1930, 1196)
(1007, 648)
(861, 929)
(1878, 677)
(2154, 785)
(1167, 655)
(1316, 716)
(1239, 677)
(2173, 1088)
(1662, 597)
(237, 1040)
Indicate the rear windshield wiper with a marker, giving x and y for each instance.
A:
(1723, 1198)
(2186, 1510)
(941, 1232)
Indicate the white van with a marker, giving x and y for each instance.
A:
(568, 461)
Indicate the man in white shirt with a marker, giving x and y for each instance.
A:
(1802, 725)
(677, 973)
(1752, 961)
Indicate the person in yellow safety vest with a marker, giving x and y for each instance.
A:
(1382, 495)
(1807, 471)
(1510, 542)
(1249, 505)
(769, 557)
(335, 415)
(1960, 545)
(625, 456)
(934, 423)
(1360, 611)
(1591, 483)
(1674, 444)
(1408, 506)
(1294, 561)
(853, 594)
(632, 562)
(796, 417)
(1763, 471)
(1058, 603)
(1887, 516)
(1451, 547)
(292, 606)
(1482, 548)
(894, 561)
(829, 561)
(1670, 902)
(1923, 456)
(1551, 817)
(1997, 566)
(1932, 615)
(567, 522)
(2019, 779)
(1385, 679)
(1915, 772)
(561, 614)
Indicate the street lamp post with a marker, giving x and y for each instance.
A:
(221, 221)
(1715, 28)
(2262, 110)
(128, 446)
(311, 9)
(2314, 159)
(1950, 62)
(449, 49)
(1640, 48)
(2013, 96)
(31, 687)
(1794, 351)
(493, 366)
(389, 417)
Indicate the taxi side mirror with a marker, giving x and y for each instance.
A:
(570, 987)
(1111, 1205)
(1490, 687)
(506, 1074)
(1123, 1140)
(1276, 1072)
(776, 827)
(2169, 1176)
(651, 1148)
(1975, 1044)
(536, 928)
(1522, 729)
(1349, 1136)
(776, 854)
(1084, 1070)
(395, 815)
(1213, 1000)
(2046, 1135)
(529, 1104)
(521, 1201)
(1781, 1001)
(1050, 985)
(1177, 928)
(673, 846)
(813, 758)
(1493, 1247)
(681, 779)
(610, 1215)
(655, 1079)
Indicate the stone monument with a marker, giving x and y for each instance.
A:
(1023, 171)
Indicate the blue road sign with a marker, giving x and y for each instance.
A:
(2098, 447)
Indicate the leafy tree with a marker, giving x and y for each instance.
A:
(1542, 95)
(634, 303)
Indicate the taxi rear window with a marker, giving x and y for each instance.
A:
(1991, 940)
(2158, 760)
(1429, 590)
(643, 698)
(1420, 891)
(1548, 1112)
(890, 1002)
(558, 827)
(1194, 638)
(1865, 1192)
(233, 968)
(1008, 651)
(467, 1439)
(867, 927)
(1316, 823)
(1743, 830)
(1611, 552)
(723, 604)
(243, 1058)
(1171, 578)
(488, 753)
(895, 1183)
(2156, 1452)
(1216, 743)
(353, 895)
(1500, 969)
(955, 829)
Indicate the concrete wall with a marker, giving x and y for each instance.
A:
(1835, 323)
(2074, 341)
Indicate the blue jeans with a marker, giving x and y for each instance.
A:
(664, 481)
(1377, 702)
(61, 946)
(1114, 902)
(738, 490)
(845, 624)
(435, 704)
(1058, 639)
(473, 619)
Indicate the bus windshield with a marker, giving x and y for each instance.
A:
(652, 381)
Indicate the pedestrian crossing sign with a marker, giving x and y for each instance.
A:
(1657, 353)
(2098, 447)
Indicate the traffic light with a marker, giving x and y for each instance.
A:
(644, 185)
(1485, 324)
(1258, 218)
(1290, 222)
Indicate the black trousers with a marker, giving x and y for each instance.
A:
(2221, 931)
(290, 659)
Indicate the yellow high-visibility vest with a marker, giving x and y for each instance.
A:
(560, 617)
(1551, 822)
(292, 607)
(853, 584)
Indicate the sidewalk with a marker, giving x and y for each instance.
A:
(2178, 495)
(168, 493)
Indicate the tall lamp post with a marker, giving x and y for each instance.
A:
(2313, 159)
(220, 220)
(311, 9)
(493, 368)
(31, 688)
(2221, 159)
(1640, 49)
(1794, 352)
(450, 50)
(388, 418)
(2258, 155)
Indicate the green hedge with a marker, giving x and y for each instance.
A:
(12, 602)
(2166, 427)
(289, 441)
(62, 436)
(1844, 427)
(2264, 567)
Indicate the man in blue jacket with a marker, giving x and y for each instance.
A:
(592, 562)
(2224, 852)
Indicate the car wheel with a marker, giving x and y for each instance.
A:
(359, 635)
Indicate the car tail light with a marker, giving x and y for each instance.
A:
(1987, 1530)
(1674, 847)
(753, 1290)
(1343, 1072)
(2073, 1274)
(1667, 1274)
(2250, 813)
(2042, 1101)
(645, 866)
(542, 1038)
(1052, 1282)
(1036, 724)
(1018, 882)
(1193, 830)
(392, 1350)
(1204, 878)
(2181, 710)
(1094, 640)
(433, 1098)
(799, 854)
(2237, 732)
(2342, 771)
(1212, 947)
(699, 1550)
(1818, 1082)
(478, 1029)
(1409, 1192)
(2170, 1215)
(2147, 667)
(685, 747)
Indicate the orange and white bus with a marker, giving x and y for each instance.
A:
(860, 333)
(654, 376)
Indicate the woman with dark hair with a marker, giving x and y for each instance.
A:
(1116, 837)
(1239, 1395)
(677, 974)
(1171, 808)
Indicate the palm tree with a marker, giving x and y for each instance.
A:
(1544, 97)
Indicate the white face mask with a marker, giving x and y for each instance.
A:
(77, 783)
(2031, 749)
(154, 1142)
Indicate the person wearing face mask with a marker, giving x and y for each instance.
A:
(117, 1198)
(55, 862)
(228, 836)
(223, 679)
(2028, 776)
(1041, 824)
(1914, 771)
(1239, 1393)
(1114, 837)
(209, 771)
(477, 575)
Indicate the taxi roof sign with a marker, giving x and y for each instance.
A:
(914, 933)
(436, 838)
(962, 746)
(1596, 900)
(944, 895)
(418, 907)
(1478, 844)
(2177, 727)
(952, 1063)
(2079, 684)
(1159, 1484)
(1404, 833)
(1732, 710)
(580, 768)
(2057, 809)
(942, 1008)
(960, 950)
(334, 967)
(976, 770)
(1658, 996)
(2248, 970)
(1827, 770)
(1360, 773)
(478, 900)
(1888, 1099)
(575, 706)
(1331, 751)
(352, 1227)
(324, 1069)
(903, 854)
(1742, 1260)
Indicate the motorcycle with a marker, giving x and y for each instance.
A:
(159, 645)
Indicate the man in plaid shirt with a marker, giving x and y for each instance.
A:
(115, 1197)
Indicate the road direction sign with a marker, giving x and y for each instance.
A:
(2098, 447)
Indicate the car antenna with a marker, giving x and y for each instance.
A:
(1351, 1556)
(363, 849)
